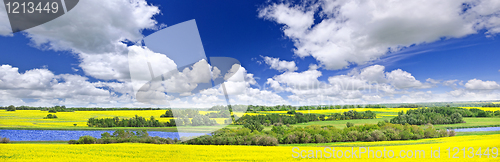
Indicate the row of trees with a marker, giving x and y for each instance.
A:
(319, 134)
(491, 105)
(138, 121)
(64, 109)
(439, 115)
(121, 136)
(254, 108)
(294, 117)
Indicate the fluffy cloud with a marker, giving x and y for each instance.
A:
(362, 31)
(476, 84)
(303, 80)
(374, 73)
(402, 79)
(95, 31)
(109, 66)
(43, 85)
(282, 65)
(96, 27)
(370, 84)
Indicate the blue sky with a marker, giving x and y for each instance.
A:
(435, 51)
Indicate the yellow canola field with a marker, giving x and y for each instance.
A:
(152, 152)
(34, 118)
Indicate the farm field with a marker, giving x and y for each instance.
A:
(34, 118)
(153, 152)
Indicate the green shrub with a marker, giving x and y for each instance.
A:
(349, 124)
(168, 114)
(378, 135)
(452, 133)
(253, 126)
(72, 142)
(11, 108)
(86, 140)
(4, 140)
(50, 116)
(443, 133)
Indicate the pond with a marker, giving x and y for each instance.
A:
(66, 135)
(477, 129)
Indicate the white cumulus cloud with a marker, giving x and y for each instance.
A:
(280, 65)
(359, 31)
(476, 84)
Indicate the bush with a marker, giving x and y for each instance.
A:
(72, 142)
(86, 140)
(349, 124)
(121, 136)
(378, 135)
(4, 140)
(452, 133)
(254, 126)
(50, 116)
(11, 108)
(52, 111)
(168, 114)
(267, 141)
(443, 133)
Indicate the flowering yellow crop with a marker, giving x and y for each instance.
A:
(152, 152)
(34, 118)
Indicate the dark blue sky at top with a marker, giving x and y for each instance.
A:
(233, 29)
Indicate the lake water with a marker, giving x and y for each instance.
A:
(477, 129)
(66, 135)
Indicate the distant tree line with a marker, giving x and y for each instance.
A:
(439, 115)
(121, 136)
(293, 117)
(255, 108)
(491, 105)
(409, 106)
(64, 109)
(138, 121)
(319, 134)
